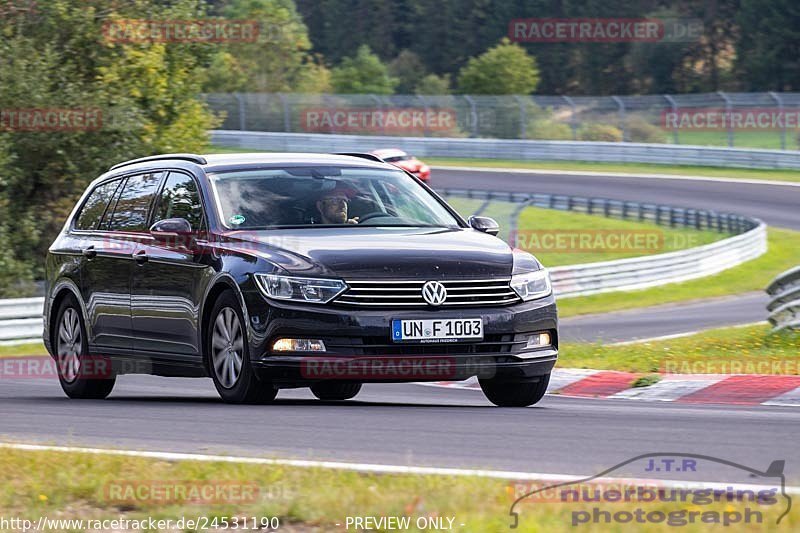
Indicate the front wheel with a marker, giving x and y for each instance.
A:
(229, 356)
(515, 393)
(333, 391)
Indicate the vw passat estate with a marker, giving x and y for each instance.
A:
(270, 271)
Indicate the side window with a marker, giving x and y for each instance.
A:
(92, 211)
(180, 199)
(133, 206)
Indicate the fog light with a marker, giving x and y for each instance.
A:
(298, 345)
(537, 340)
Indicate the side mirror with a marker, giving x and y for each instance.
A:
(484, 224)
(175, 231)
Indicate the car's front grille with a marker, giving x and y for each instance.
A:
(381, 346)
(460, 293)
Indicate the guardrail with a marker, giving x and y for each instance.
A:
(784, 307)
(21, 319)
(513, 149)
(749, 242)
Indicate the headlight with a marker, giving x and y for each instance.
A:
(313, 290)
(532, 285)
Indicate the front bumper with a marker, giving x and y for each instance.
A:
(359, 346)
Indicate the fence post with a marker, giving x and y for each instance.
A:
(674, 106)
(378, 100)
(728, 112)
(287, 123)
(523, 120)
(242, 117)
(775, 96)
(425, 131)
(473, 115)
(573, 117)
(622, 127)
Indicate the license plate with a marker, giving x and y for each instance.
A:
(437, 330)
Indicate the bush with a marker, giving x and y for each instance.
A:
(641, 131)
(599, 132)
(549, 130)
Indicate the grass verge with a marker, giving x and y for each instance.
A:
(754, 275)
(742, 350)
(83, 486)
(22, 350)
(628, 168)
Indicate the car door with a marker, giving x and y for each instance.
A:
(109, 252)
(168, 287)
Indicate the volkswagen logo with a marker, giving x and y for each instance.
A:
(434, 293)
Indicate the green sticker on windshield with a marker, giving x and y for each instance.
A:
(236, 220)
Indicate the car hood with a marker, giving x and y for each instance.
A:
(381, 252)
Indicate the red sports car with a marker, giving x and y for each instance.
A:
(407, 162)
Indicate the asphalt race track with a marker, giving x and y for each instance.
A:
(397, 424)
(777, 205)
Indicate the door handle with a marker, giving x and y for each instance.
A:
(140, 257)
(89, 252)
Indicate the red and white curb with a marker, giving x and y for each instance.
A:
(738, 389)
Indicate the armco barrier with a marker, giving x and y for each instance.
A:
(21, 319)
(784, 307)
(513, 149)
(749, 242)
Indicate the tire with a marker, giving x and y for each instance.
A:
(335, 391)
(82, 376)
(515, 393)
(228, 356)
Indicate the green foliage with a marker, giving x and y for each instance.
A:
(639, 130)
(145, 93)
(599, 132)
(504, 69)
(408, 69)
(278, 61)
(433, 84)
(362, 74)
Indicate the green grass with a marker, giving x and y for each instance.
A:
(630, 168)
(21, 350)
(753, 275)
(57, 484)
(741, 350)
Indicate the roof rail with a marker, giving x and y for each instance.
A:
(362, 155)
(200, 160)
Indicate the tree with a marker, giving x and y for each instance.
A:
(408, 69)
(362, 74)
(504, 69)
(146, 94)
(768, 50)
(280, 59)
(433, 84)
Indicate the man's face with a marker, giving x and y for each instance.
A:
(333, 209)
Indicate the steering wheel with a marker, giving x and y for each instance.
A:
(374, 214)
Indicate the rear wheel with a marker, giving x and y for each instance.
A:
(229, 356)
(515, 393)
(82, 377)
(335, 391)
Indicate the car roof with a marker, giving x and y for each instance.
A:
(389, 152)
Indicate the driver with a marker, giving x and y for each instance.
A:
(333, 206)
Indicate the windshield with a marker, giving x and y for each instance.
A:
(325, 196)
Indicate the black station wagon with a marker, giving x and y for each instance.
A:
(270, 271)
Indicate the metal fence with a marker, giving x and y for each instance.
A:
(749, 242)
(21, 319)
(667, 154)
(756, 120)
(784, 307)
